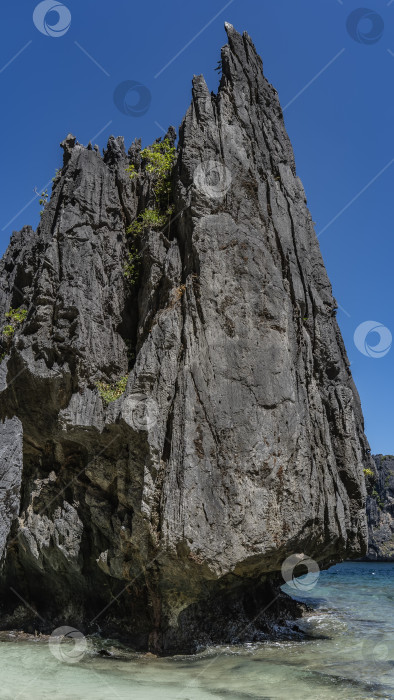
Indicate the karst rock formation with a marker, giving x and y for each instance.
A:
(380, 509)
(166, 515)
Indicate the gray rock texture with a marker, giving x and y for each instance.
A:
(239, 440)
(11, 466)
(380, 510)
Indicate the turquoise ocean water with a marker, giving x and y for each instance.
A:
(350, 655)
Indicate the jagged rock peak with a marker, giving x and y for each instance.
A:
(115, 150)
(67, 145)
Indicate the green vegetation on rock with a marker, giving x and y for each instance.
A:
(15, 318)
(43, 200)
(131, 269)
(150, 219)
(159, 161)
(112, 392)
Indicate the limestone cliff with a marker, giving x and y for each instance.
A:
(380, 509)
(238, 441)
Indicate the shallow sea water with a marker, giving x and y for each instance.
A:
(350, 655)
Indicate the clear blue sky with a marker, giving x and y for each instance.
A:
(341, 125)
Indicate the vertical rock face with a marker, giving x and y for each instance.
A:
(239, 439)
(11, 464)
(380, 510)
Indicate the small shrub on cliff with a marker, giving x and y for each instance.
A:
(150, 219)
(43, 198)
(8, 331)
(159, 161)
(112, 392)
(132, 172)
(15, 318)
(17, 315)
(368, 472)
(131, 269)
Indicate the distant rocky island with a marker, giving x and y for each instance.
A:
(380, 509)
(177, 411)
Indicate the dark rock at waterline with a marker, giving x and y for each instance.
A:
(238, 441)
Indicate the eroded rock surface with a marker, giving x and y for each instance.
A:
(380, 510)
(239, 440)
(11, 466)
